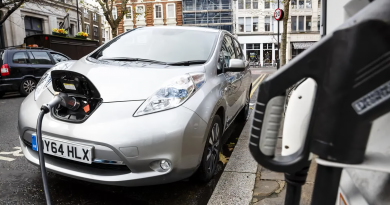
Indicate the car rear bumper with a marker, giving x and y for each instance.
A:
(176, 135)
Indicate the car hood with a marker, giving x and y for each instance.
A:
(125, 81)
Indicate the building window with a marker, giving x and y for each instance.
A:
(32, 26)
(241, 24)
(171, 10)
(86, 12)
(300, 23)
(319, 3)
(248, 4)
(255, 24)
(95, 31)
(71, 29)
(103, 33)
(255, 4)
(308, 4)
(158, 11)
(319, 23)
(87, 28)
(248, 24)
(94, 17)
(294, 4)
(140, 12)
(128, 14)
(301, 4)
(308, 23)
(267, 4)
(240, 4)
(114, 12)
(293, 23)
(267, 22)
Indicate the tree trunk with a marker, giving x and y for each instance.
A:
(114, 32)
(283, 46)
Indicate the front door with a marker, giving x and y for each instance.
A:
(41, 62)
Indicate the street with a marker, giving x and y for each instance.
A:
(20, 182)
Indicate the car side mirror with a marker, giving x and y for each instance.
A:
(236, 65)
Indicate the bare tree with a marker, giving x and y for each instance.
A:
(284, 34)
(107, 7)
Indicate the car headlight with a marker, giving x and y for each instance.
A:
(172, 94)
(42, 84)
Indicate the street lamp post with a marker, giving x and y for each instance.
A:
(77, 13)
(278, 61)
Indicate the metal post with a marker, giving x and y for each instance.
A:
(77, 12)
(278, 61)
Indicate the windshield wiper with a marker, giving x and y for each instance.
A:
(188, 62)
(132, 59)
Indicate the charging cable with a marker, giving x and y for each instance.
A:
(68, 102)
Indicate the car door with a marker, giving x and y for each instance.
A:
(233, 82)
(243, 76)
(41, 62)
(19, 65)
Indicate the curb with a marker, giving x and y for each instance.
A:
(238, 178)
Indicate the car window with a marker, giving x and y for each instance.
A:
(161, 44)
(59, 58)
(238, 50)
(227, 53)
(39, 57)
(20, 57)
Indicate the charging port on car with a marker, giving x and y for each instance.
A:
(85, 98)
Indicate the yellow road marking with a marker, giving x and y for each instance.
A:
(257, 84)
(254, 82)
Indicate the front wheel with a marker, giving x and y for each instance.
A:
(210, 157)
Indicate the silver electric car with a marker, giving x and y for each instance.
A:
(152, 106)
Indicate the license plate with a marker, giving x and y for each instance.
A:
(64, 149)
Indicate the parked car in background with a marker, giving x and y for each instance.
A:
(22, 68)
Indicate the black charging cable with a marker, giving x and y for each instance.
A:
(64, 100)
(294, 185)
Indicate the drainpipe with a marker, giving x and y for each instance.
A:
(323, 17)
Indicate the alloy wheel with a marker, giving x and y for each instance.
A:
(29, 86)
(213, 149)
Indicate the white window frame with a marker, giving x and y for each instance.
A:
(94, 17)
(97, 31)
(131, 12)
(174, 10)
(86, 12)
(114, 14)
(103, 33)
(155, 11)
(87, 26)
(143, 16)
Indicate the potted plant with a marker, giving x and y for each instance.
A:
(82, 35)
(60, 32)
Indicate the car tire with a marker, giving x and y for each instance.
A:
(210, 157)
(27, 86)
(243, 116)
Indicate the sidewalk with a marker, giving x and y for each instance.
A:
(245, 182)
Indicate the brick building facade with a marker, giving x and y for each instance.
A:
(151, 13)
(93, 24)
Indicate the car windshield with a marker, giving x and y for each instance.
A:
(161, 44)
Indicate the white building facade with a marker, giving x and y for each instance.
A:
(33, 19)
(256, 28)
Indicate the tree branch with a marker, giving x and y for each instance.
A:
(10, 11)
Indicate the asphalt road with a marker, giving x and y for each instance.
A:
(20, 182)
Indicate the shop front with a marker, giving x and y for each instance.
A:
(260, 50)
(299, 47)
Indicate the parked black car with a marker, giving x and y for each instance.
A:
(21, 68)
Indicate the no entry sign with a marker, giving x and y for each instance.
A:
(278, 15)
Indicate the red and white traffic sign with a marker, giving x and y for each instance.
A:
(278, 15)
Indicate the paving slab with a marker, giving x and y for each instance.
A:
(265, 188)
(233, 188)
(241, 159)
(270, 175)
